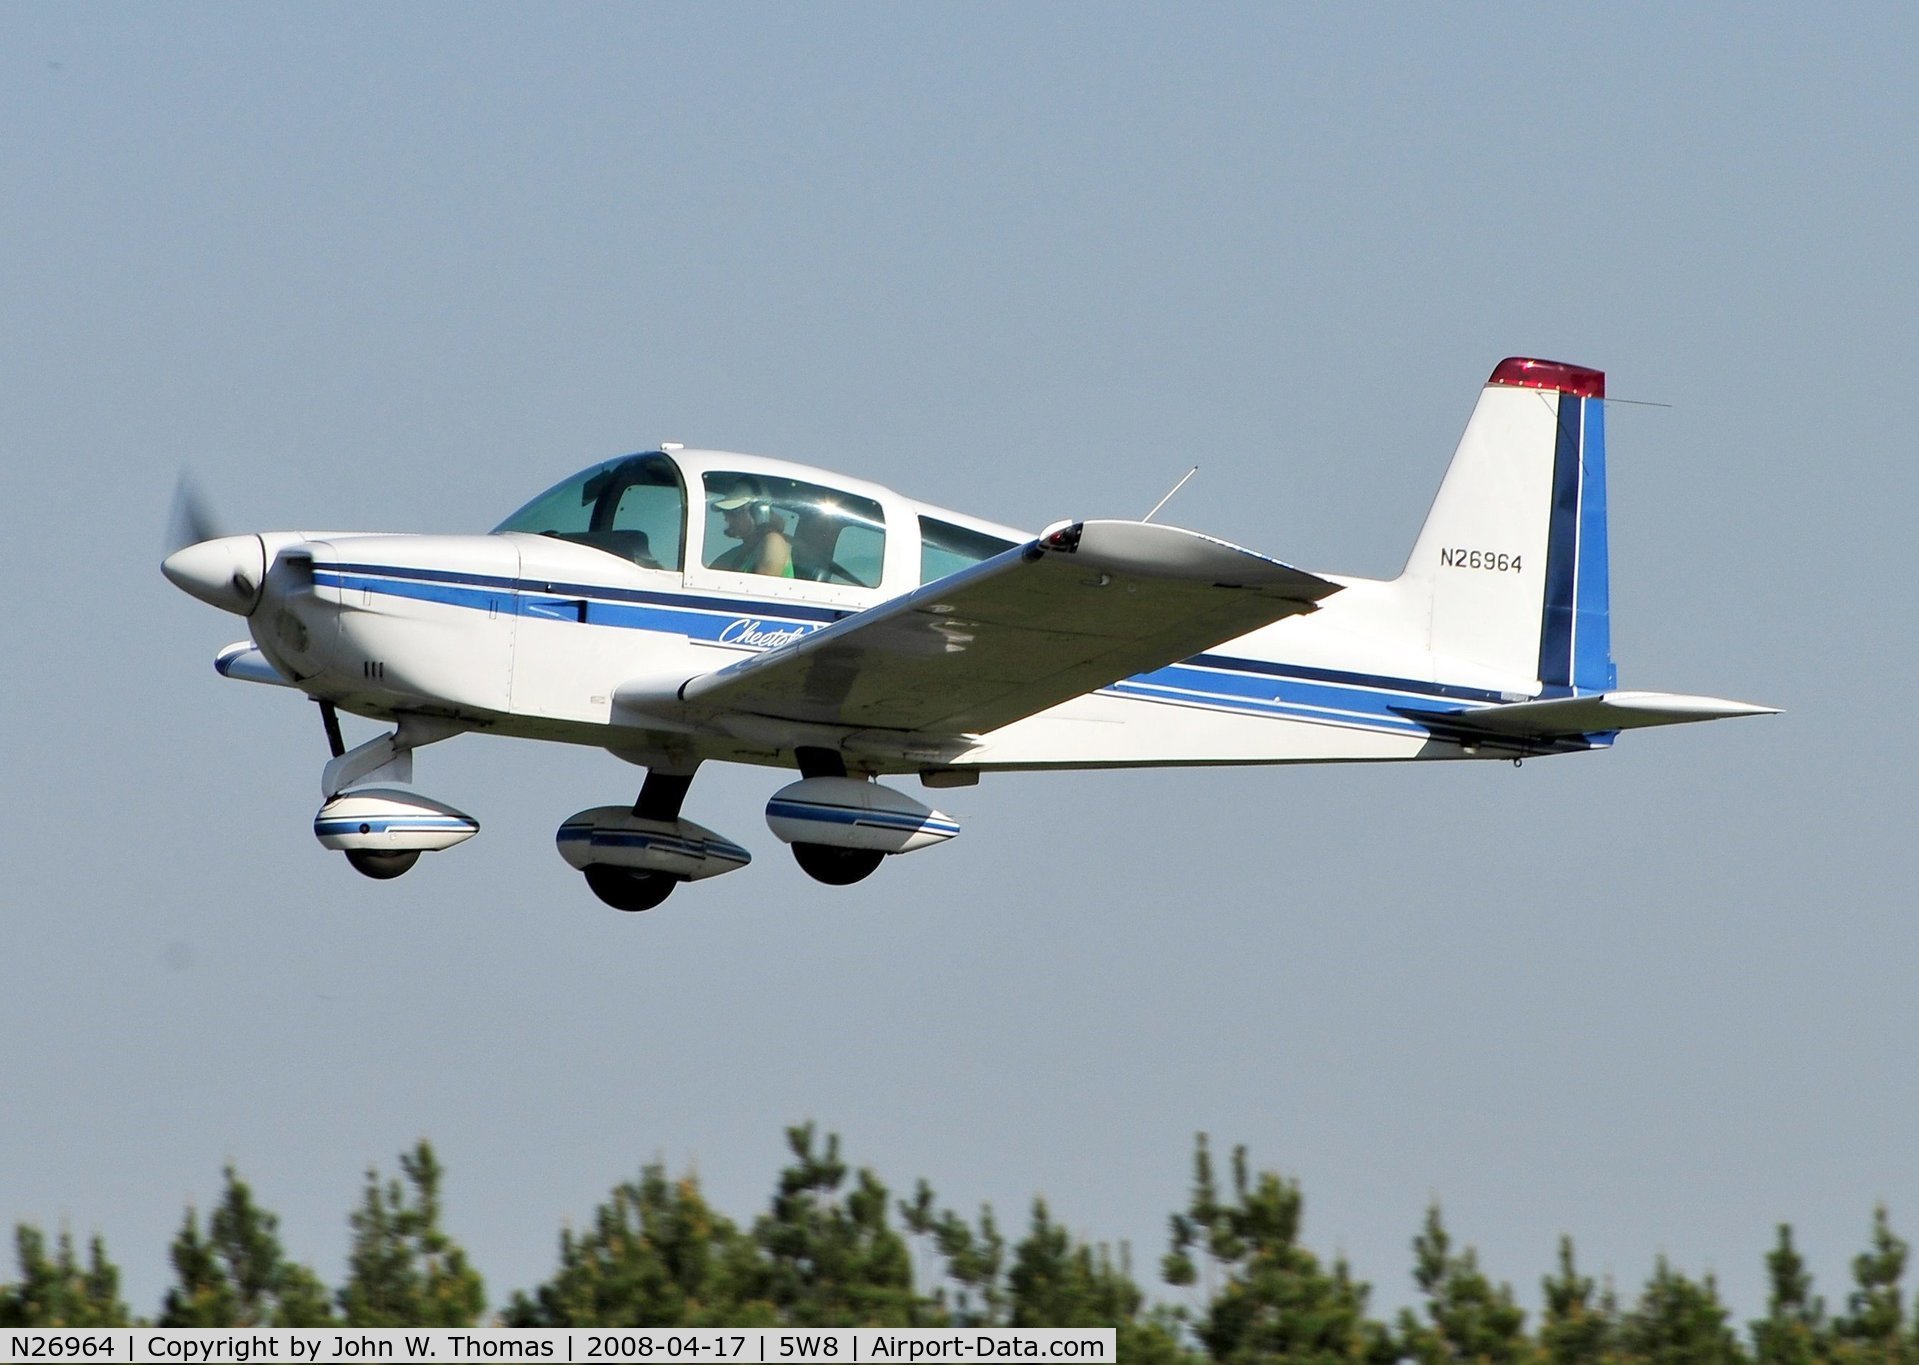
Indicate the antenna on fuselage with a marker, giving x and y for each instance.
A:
(1169, 494)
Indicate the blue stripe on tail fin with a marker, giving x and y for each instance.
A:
(1575, 636)
(1593, 669)
(1562, 556)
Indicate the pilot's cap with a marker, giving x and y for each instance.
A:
(743, 493)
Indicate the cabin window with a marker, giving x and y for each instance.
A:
(946, 548)
(784, 528)
(634, 508)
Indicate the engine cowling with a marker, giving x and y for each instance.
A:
(388, 820)
(848, 812)
(614, 836)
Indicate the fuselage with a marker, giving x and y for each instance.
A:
(632, 571)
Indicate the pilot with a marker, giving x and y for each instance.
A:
(751, 520)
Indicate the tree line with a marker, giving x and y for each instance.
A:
(835, 1248)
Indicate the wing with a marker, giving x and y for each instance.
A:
(1084, 605)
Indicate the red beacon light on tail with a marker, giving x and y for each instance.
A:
(1520, 372)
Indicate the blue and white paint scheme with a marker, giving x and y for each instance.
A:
(678, 607)
(383, 831)
(615, 836)
(855, 814)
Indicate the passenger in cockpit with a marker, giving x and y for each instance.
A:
(764, 547)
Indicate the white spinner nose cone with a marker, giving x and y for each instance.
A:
(225, 572)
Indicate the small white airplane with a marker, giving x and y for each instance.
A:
(680, 606)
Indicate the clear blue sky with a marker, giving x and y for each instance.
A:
(399, 268)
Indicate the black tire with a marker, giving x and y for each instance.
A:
(836, 866)
(628, 889)
(382, 867)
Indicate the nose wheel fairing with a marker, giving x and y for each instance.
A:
(384, 830)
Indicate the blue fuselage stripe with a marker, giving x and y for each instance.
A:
(712, 619)
(390, 577)
(1214, 681)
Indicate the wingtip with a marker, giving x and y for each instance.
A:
(1700, 708)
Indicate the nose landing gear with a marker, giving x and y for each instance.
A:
(382, 830)
(382, 867)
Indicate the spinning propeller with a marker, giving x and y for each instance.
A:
(222, 570)
(192, 519)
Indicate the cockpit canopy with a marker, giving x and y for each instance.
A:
(756, 521)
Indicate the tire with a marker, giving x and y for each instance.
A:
(628, 889)
(836, 866)
(382, 867)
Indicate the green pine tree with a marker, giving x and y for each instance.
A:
(833, 1258)
(1680, 1322)
(1873, 1329)
(1794, 1328)
(656, 1255)
(200, 1296)
(974, 1257)
(1052, 1280)
(1273, 1300)
(58, 1291)
(403, 1270)
(1057, 1281)
(1468, 1318)
(236, 1275)
(1579, 1327)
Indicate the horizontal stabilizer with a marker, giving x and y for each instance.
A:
(1599, 714)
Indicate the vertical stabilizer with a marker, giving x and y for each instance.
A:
(1512, 559)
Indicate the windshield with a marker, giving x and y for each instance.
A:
(633, 507)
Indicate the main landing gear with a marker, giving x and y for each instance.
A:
(629, 889)
(840, 828)
(831, 864)
(634, 858)
(634, 889)
(837, 866)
